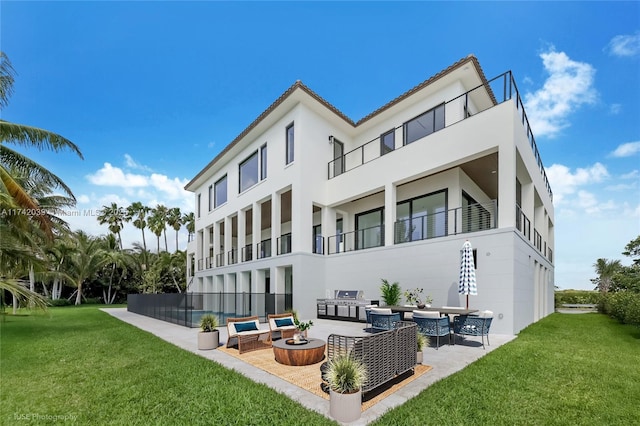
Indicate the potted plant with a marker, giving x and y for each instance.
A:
(414, 297)
(345, 376)
(423, 342)
(209, 337)
(302, 328)
(390, 293)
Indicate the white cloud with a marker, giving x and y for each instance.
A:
(83, 199)
(133, 164)
(624, 45)
(615, 109)
(621, 187)
(114, 176)
(626, 149)
(634, 174)
(564, 182)
(569, 85)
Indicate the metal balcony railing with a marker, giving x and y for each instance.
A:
(232, 256)
(501, 88)
(357, 240)
(523, 224)
(208, 262)
(263, 249)
(200, 264)
(283, 244)
(247, 253)
(461, 220)
(219, 260)
(318, 245)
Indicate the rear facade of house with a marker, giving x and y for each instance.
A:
(306, 201)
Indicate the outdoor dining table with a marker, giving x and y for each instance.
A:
(443, 311)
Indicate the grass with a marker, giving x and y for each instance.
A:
(92, 368)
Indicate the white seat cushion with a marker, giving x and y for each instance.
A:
(425, 314)
(381, 311)
(485, 314)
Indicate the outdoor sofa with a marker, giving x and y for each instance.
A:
(386, 354)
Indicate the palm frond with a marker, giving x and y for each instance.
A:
(29, 136)
(7, 74)
(25, 296)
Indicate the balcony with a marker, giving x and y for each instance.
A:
(461, 220)
(208, 262)
(502, 88)
(247, 253)
(232, 256)
(219, 260)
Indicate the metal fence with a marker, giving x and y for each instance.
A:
(187, 308)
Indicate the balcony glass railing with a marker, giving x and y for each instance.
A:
(461, 220)
(502, 88)
(263, 249)
(357, 240)
(284, 244)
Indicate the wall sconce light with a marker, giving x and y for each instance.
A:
(330, 139)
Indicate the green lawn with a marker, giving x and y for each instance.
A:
(94, 369)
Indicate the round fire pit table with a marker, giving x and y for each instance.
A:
(299, 354)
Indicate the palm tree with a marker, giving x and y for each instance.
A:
(605, 269)
(116, 262)
(27, 136)
(159, 219)
(137, 212)
(174, 219)
(85, 262)
(114, 217)
(189, 220)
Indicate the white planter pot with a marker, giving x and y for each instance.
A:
(419, 357)
(345, 407)
(208, 341)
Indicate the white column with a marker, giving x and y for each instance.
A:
(242, 230)
(328, 227)
(507, 185)
(275, 222)
(389, 213)
(256, 224)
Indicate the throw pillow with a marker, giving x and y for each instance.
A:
(284, 322)
(245, 326)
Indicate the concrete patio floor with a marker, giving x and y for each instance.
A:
(445, 361)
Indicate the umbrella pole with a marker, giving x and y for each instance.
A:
(467, 301)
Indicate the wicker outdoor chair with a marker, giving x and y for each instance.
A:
(433, 325)
(281, 325)
(473, 325)
(383, 318)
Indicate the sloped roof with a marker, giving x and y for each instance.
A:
(301, 86)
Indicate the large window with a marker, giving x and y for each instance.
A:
(338, 157)
(422, 217)
(248, 172)
(370, 232)
(198, 204)
(388, 142)
(424, 124)
(290, 143)
(220, 191)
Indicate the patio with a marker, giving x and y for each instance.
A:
(445, 361)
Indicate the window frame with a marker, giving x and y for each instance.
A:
(263, 162)
(290, 144)
(242, 189)
(215, 192)
(383, 145)
(210, 197)
(434, 123)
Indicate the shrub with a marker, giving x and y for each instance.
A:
(623, 305)
(58, 302)
(576, 297)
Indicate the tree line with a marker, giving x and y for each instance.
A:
(42, 259)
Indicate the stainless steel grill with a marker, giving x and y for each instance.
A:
(345, 305)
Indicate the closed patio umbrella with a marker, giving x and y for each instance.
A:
(467, 283)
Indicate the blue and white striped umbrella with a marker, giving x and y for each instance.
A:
(467, 283)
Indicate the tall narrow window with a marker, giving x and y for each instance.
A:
(263, 162)
(290, 143)
(220, 191)
(198, 204)
(370, 229)
(338, 157)
(210, 197)
(248, 172)
(387, 142)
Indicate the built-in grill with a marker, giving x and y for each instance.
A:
(346, 305)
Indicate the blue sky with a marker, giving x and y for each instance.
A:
(152, 91)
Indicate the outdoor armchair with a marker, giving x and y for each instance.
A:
(473, 325)
(433, 325)
(383, 319)
(367, 311)
(281, 325)
(247, 334)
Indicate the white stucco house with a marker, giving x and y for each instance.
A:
(306, 201)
